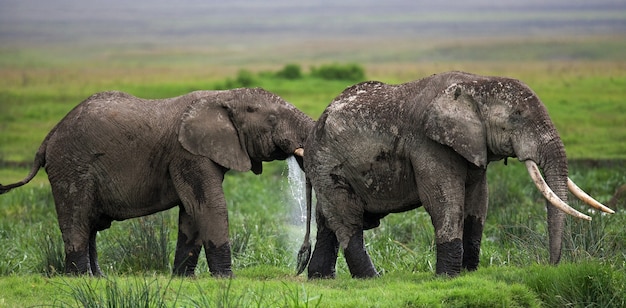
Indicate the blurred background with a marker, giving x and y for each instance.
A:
(277, 31)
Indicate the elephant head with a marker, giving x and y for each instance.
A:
(241, 128)
(490, 118)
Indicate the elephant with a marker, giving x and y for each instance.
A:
(379, 149)
(116, 156)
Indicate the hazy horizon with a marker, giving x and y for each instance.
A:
(240, 32)
(137, 22)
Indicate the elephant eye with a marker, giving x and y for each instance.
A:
(251, 109)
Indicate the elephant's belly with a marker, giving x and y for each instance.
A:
(386, 185)
(136, 200)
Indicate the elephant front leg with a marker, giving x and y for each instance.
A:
(187, 248)
(219, 259)
(445, 206)
(198, 182)
(476, 201)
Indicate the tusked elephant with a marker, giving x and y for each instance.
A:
(380, 149)
(116, 156)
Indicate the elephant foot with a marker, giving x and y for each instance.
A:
(77, 263)
(449, 257)
(359, 262)
(322, 265)
(96, 271)
(471, 255)
(324, 258)
(218, 259)
(223, 274)
(316, 274)
(472, 234)
(185, 261)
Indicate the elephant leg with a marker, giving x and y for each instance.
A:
(73, 216)
(359, 262)
(198, 182)
(344, 214)
(187, 246)
(219, 259)
(446, 213)
(93, 255)
(442, 190)
(476, 203)
(324, 258)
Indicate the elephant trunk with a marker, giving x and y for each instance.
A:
(553, 162)
(294, 133)
(554, 165)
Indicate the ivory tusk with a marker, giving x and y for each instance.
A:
(299, 152)
(543, 187)
(587, 198)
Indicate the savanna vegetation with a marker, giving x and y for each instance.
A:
(584, 98)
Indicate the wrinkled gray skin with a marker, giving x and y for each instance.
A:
(380, 149)
(116, 156)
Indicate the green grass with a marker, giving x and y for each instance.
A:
(266, 235)
(584, 98)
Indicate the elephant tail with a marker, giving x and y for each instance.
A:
(304, 255)
(40, 161)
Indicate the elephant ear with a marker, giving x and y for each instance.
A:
(206, 129)
(453, 120)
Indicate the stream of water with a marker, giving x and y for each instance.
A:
(297, 185)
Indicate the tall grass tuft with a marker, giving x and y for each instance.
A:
(587, 284)
(118, 293)
(223, 297)
(143, 246)
(52, 256)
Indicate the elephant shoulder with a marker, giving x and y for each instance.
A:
(108, 96)
(362, 89)
(359, 94)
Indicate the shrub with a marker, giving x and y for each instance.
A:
(349, 72)
(290, 71)
(245, 78)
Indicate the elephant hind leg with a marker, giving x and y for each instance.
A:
(357, 258)
(81, 256)
(342, 212)
(93, 255)
(324, 258)
(73, 207)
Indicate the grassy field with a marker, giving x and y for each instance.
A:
(584, 98)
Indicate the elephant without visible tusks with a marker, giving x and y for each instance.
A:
(380, 149)
(116, 156)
